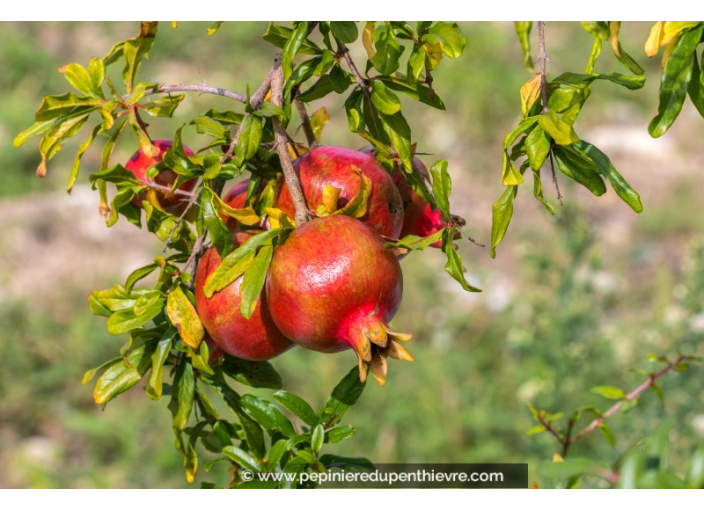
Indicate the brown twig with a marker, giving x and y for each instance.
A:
(359, 79)
(543, 58)
(305, 124)
(629, 398)
(281, 143)
(203, 89)
(152, 184)
(191, 202)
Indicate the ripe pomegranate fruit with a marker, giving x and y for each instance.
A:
(341, 167)
(139, 163)
(419, 219)
(253, 339)
(332, 286)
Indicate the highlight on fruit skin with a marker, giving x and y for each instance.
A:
(342, 168)
(253, 339)
(140, 162)
(332, 286)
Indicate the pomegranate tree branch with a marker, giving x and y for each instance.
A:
(543, 58)
(629, 398)
(203, 89)
(169, 189)
(305, 124)
(281, 146)
(361, 82)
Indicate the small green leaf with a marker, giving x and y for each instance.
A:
(267, 415)
(345, 31)
(523, 31)
(316, 442)
(154, 385)
(279, 36)
(388, 50)
(581, 169)
(124, 321)
(536, 430)
(258, 374)
(537, 146)
(582, 80)
(79, 154)
(606, 430)
(560, 131)
(442, 186)
(137, 275)
(416, 91)
(124, 374)
(242, 458)
(297, 406)
(413, 242)
(53, 107)
(449, 36)
(332, 461)
(340, 80)
(214, 27)
(339, 434)
(182, 394)
(254, 279)
(300, 33)
(454, 265)
(276, 453)
(385, 101)
(344, 396)
(502, 210)
(610, 392)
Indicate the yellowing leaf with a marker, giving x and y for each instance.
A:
(41, 169)
(652, 45)
(274, 215)
(298, 151)
(557, 458)
(184, 317)
(246, 216)
(368, 39)
(560, 131)
(672, 29)
(433, 53)
(529, 93)
(153, 199)
(330, 197)
(174, 24)
(318, 120)
(614, 28)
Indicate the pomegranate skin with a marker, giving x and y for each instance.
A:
(139, 163)
(331, 279)
(340, 167)
(235, 198)
(253, 339)
(419, 219)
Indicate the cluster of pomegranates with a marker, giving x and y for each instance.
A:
(332, 285)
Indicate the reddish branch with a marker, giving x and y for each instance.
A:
(305, 124)
(361, 82)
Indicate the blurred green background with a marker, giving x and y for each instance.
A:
(571, 302)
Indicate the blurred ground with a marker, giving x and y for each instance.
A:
(571, 302)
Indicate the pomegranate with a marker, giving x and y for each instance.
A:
(340, 167)
(419, 219)
(332, 286)
(235, 198)
(253, 339)
(139, 163)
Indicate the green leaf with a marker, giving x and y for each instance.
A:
(582, 80)
(233, 266)
(219, 233)
(321, 88)
(537, 146)
(254, 279)
(399, 133)
(124, 374)
(344, 396)
(674, 82)
(146, 301)
(276, 453)
(88, 376)
(182, 394)
(502, 210)
(316, 442)
(269, 110)
(416, 63)
(606, 431)
(52, 107)
(34, 130)
(208, 126)
(184, 317)
(416, 91)
(332, 461)
(559, 130)
(137, 275)
(250, 138)
(536, 430)
(307, 457)
(267, 415)
(124, 321)
(258, 374)
(384, 100)
(610, 392)
(449, 36)
(388, 50)
(606, 168)
(538, 191)
(96, 71)
(454, 265)
(79, 79)
(442, 186)
(242, 458)
(339, 434)
(345, 31)
(696, 86)
(134, 51)
(340, 80)
(581, 169)
(279, 36)
(523, 31)
(154, 385)
(300, 33)
(297, 406)
(413, 242)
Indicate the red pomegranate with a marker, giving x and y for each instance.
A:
(419, 219)
(332, 286)
(253, 339)
(341, 167)
(139, 163)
